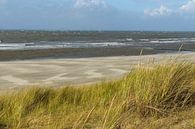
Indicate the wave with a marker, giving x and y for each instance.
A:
(125, 42)
(49, 45)
(169, 40)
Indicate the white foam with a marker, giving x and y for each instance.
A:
(144, 40)
(129, 39)
(172, 40)
(47, 45)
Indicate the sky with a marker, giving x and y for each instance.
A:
(128, 15)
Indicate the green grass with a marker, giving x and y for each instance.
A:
(156, 97)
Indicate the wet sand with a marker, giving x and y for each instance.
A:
(75, 71)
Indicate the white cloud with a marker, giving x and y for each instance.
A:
(189, 7)
(90, 4)
(162, 11)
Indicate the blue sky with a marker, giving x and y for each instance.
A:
(143, 15)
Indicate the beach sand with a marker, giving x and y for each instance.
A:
(75, 71)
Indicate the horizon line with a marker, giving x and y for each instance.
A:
(94, 30)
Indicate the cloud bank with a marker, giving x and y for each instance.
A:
(189, 7)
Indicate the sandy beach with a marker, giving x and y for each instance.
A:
(76, 71)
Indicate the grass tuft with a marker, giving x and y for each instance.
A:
(161, 88)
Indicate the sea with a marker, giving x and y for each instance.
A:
(33, 40)
(26, 40)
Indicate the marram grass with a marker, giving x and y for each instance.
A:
(147, 97)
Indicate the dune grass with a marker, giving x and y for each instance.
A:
(148, 97)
